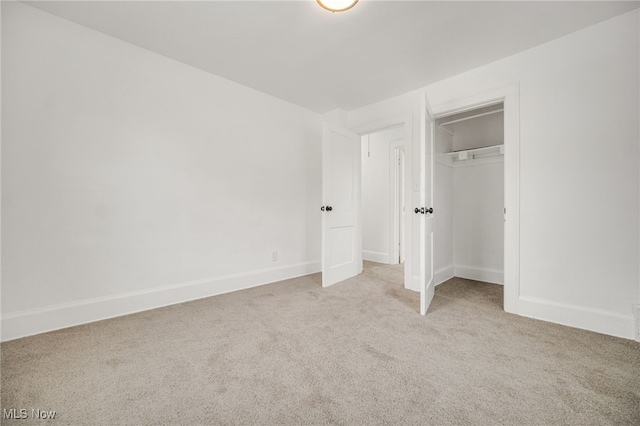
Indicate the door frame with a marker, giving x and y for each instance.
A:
(405, 120)
(509, 96)
(397, 200)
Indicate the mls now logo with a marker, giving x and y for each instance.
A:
(23, 413)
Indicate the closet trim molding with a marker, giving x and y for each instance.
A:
(509, 95)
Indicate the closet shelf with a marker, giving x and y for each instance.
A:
(470, 154)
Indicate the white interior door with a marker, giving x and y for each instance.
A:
(341, 230)
(427, 131)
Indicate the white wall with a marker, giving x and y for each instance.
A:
(478, 220)
(579, 162)
(377, 194)
(130, 180)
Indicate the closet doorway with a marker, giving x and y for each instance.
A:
(383, 195)
(469, 195)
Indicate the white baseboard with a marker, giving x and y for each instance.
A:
(597, 320)
(479, 274)
(34, 321)
(443, 274)
(375, 256)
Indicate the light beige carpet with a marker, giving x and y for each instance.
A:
(355, 353)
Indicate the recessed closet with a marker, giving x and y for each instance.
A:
(469, 195)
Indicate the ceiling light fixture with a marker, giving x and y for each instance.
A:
(337, 5)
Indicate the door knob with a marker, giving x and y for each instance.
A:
(329, 208)
(423, 210)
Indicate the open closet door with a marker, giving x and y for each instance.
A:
(427, 137)
(341, 230)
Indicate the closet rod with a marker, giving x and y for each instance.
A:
(471, 116)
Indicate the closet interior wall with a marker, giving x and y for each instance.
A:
(469, 196)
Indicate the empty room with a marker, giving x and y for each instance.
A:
(320, 212)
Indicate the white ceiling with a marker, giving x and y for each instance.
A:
(321, 61)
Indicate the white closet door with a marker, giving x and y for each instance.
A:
(427, 137)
